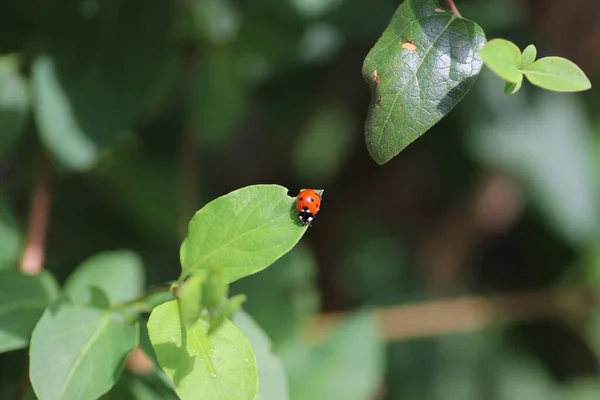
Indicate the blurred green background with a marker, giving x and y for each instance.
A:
(148, 110)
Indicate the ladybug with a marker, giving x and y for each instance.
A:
(308, 204)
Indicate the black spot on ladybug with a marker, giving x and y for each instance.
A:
(300, 198)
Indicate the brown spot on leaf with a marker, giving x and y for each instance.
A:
(397, 62)
(377, 101)
(400, 107)
(409, 45)
(439, 10)
(408, 132)
(376, 77)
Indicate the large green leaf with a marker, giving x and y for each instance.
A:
(23, 299)
(119, 274)
(14, 102)
(78, 352)
(349, 365)
(91, 86)
(221, 366)
(420, 68)
(10, 236)
(243, 232)
(271, 375)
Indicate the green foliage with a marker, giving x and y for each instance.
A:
(271, 374)
(14, 102)
(218, 366)
(242, 232)
(558, 74)
(504, 58)
(420, 68)
(10, 236)
(550, 73)
(84, 96)
(119, 274)
(23, 299)
(78, 351)
(287, 290)
(113, 95)
(348, 365)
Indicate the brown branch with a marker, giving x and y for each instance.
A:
(466, 314)
(33, 257)
(453, 8)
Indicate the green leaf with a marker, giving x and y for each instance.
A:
(226, 311)
(85, 96)
(528, 56)
(56, 120)
(10, 236)
(420, 68)
(221, 366)
(14, 102)
(557, 74)
(512, 88)
(78, 352)
(504, 58)
(189, 297)
(23, 299)
(119, 274)
(271, 375)
(244, 232)
(349, 365)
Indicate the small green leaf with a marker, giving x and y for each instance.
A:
(10, 236)
(23, 299)
(221, 366)
(120, 274)
(244, 231)
(226, 311)
(512, 88)
(557, 74)
(215, 289)
(528, 56)
(189, 297)
(78, 352)
(504, 58)
(420, 68)
(349, 365)
(271, 375)
(14, 102)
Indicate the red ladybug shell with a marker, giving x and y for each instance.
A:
(308, 204)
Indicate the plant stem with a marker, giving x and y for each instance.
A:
(140, 304)
(459, 315)
(453, 8)
(34, 253)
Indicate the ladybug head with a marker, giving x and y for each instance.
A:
(305, 217)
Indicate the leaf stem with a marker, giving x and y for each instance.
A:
(34, 253)
(453, 8)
